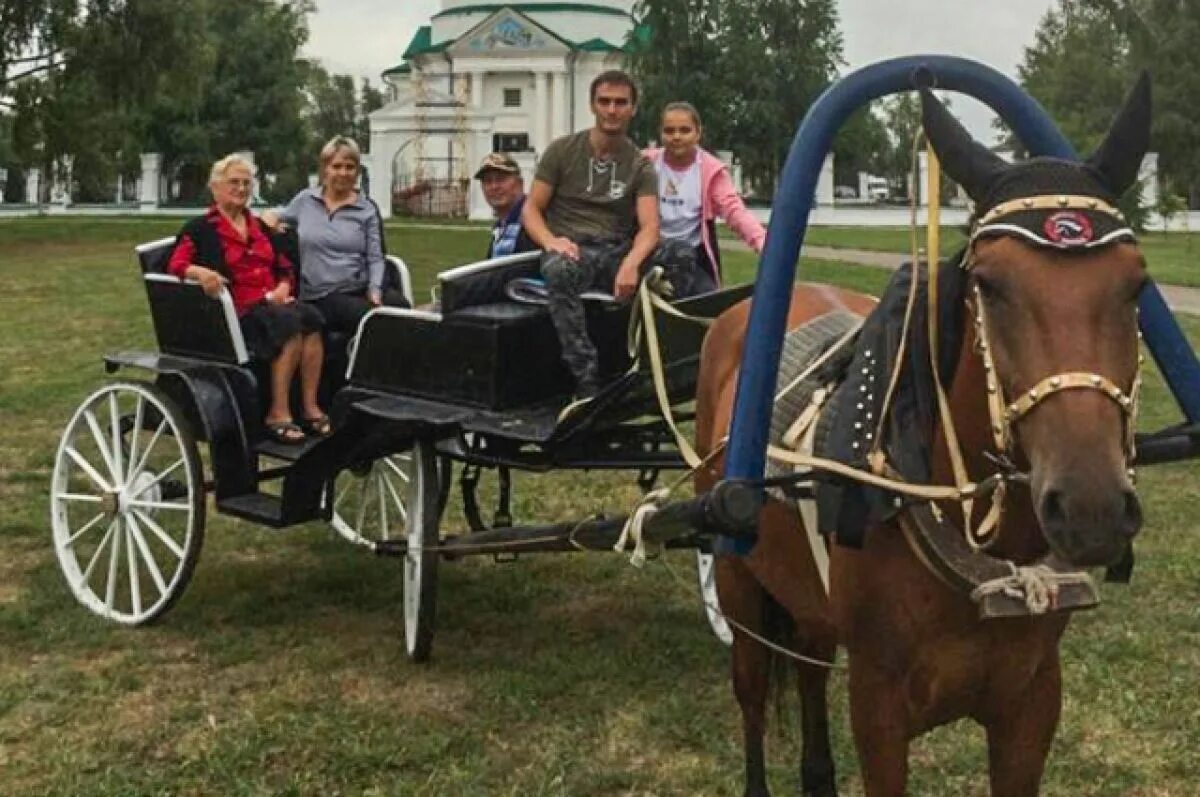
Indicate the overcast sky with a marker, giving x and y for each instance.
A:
(365, 37)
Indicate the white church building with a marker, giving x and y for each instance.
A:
(482, 77)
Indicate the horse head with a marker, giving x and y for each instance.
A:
(1053, 283)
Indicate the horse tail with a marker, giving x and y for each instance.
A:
(780, 628)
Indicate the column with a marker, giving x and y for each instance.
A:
(60, 187)
(476, 89)
(559, 100)
(149, 197)
(825, 182)
(541, 113)
(479, 144)
(921, 188)
(33, 186)
(256, 188)
(1148, 180)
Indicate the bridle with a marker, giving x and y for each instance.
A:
(1005, 414)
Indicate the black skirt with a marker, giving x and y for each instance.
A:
(268, 327)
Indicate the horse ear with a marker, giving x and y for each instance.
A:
(969, 163)
(1119, 157)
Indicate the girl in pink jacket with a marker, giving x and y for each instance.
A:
(694, 189)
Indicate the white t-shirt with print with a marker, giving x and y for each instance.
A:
(679, 202)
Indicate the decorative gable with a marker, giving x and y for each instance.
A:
(507, 32)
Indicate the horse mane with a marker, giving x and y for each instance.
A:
(846, 508)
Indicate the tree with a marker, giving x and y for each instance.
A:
(780, 55)
(1086, 54)
(677, 54)
(332, 104)
(742, 65)
(370, 100)
(31, 36)
(1078, 67)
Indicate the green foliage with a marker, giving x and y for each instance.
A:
(742, 65)
(1087, 53)
(191, 79)
(682, 61)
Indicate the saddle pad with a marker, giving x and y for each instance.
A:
(801, 347)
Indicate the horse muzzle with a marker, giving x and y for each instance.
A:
(1086, 523)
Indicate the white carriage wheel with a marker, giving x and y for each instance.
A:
(421, 556)
(706, 571)
(372, 506)
(127, 503)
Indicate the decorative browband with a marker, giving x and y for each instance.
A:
(1058, 221)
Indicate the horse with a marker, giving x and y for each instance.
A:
(1056, 273)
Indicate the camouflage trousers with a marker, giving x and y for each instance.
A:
(596, 269)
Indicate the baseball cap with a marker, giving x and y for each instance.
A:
(498, 162)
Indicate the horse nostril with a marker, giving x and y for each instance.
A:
(1133, 514)
(1054, 510)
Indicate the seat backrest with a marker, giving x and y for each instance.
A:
(483, 282)
(153, 256)
(188, 323)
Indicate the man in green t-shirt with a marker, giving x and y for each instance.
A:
(593, 208)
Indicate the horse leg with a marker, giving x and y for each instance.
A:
(816, 763)
(743, 600)
(1019, 737)
(878, 719)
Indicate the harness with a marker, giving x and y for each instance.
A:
(1073, 215)
(956, 556)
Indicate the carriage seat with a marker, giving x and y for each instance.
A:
(487, 282)
(189, 323)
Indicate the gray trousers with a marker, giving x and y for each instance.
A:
(596, 269)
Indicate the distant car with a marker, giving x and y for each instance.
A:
(845, 192)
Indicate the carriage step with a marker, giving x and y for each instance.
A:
(259, 507)
(284, 451)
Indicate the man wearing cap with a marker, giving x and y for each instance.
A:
(500, 177)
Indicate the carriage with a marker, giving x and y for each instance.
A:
(477, 383)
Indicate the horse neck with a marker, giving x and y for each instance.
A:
(1020, 537)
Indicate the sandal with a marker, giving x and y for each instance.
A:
(319, 426)
(285, 432)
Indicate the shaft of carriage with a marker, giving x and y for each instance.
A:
(730, 508)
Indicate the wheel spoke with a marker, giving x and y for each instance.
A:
(98, 437)
(396, 469)
(87, 573)
(82, 497)
(150, 447)
(397, 500)
(161, 505)
(138, 416)
(362, 506)
(87, 468)
(163, 537)
(380, 478)
(158, 478)
(110, 592)
(147, 556)
(86, 527)
(114, 417)
(135, 586)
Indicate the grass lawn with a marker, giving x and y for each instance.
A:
(281, 670)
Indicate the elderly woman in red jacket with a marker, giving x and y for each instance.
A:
(229, 246)
(694, 189)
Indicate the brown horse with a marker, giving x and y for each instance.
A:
(1056, 274)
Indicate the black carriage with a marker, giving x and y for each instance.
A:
(478, 381)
